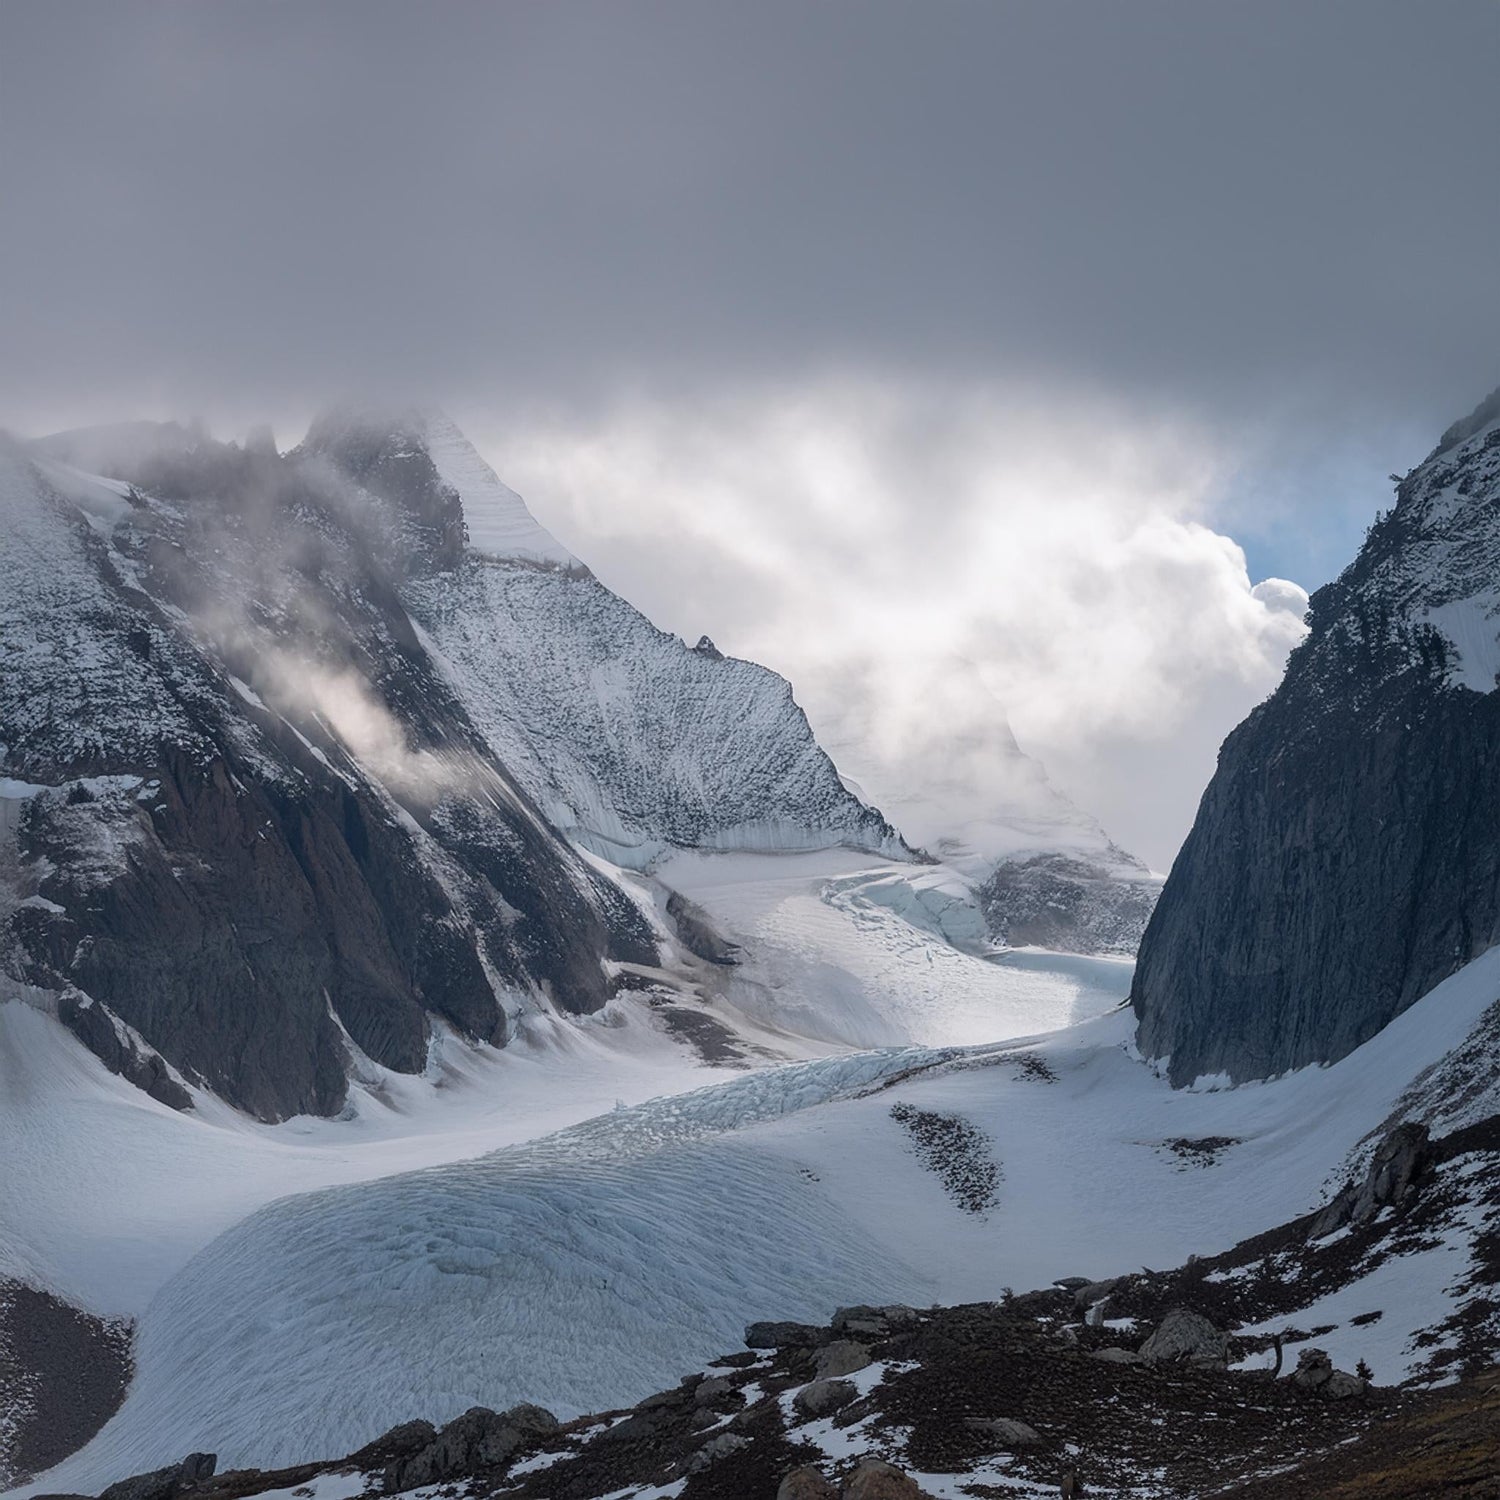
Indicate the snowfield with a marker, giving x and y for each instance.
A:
(587, 1268)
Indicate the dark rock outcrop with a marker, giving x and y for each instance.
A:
(697, 931)
(63, 1375)
(1393, 1179)
(1069, 904)
(93, 1024)
(165, 1484)
(1342, 861)
(785, 1335)
(480, 1439)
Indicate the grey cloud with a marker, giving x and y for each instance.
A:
(250, 204)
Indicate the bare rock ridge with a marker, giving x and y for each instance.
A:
(260, 820)
(1344, 858)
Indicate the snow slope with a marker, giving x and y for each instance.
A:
(880, 955)
(105, 1228)
(546, 1271)
(498, 521)
(631, 742)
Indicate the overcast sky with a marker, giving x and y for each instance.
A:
(922, 333)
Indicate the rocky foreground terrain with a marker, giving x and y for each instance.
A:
(1205, 1380)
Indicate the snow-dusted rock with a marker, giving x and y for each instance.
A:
(307, 762)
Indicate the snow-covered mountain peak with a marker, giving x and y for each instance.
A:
(409, 455)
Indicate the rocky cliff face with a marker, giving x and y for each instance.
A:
(1344, 859)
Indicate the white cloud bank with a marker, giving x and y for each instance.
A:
(925, 567)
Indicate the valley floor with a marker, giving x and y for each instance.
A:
(582, 1217)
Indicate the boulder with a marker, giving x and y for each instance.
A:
(712, 1391)
(167, 1483)
(874, 1479)
(715, 1449)
(479, 1439)
(806, 1483)
(785, 1336)
(1187, 1337)
(824, 1396)
(1006, 1431)
(841, 1357)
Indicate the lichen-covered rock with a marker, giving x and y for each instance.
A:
(715, 1449)
(713, 1391)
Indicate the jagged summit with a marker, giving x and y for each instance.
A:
(1343, 861)
(420, 454)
